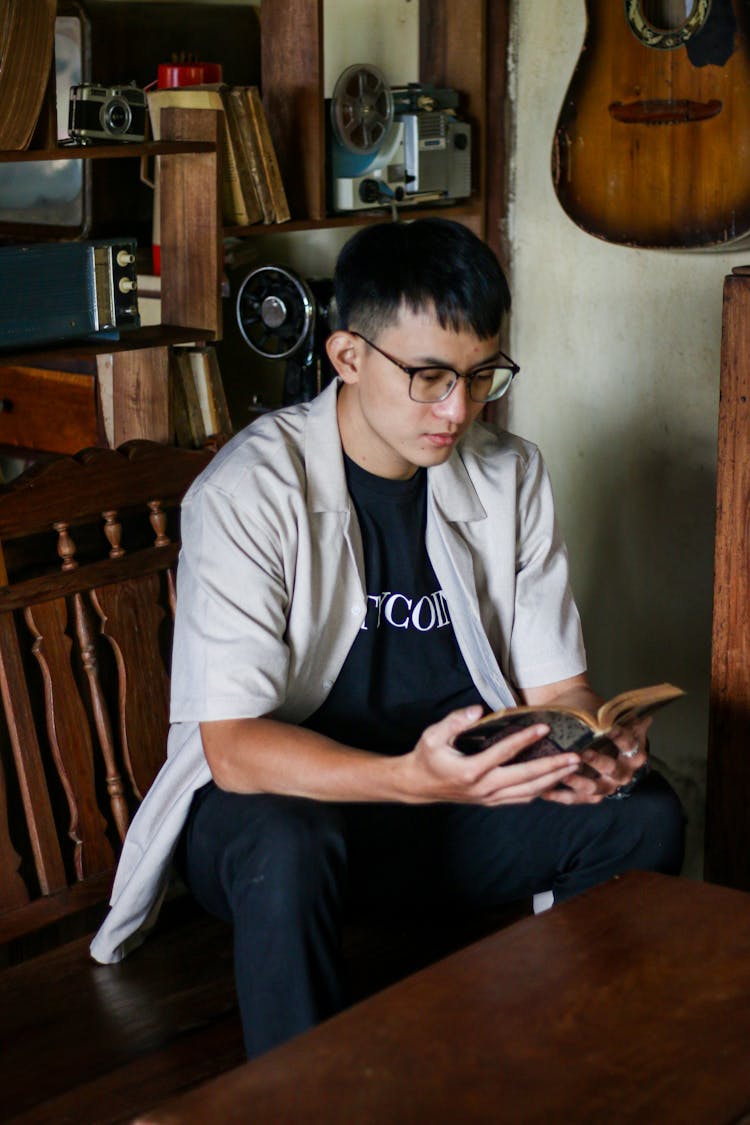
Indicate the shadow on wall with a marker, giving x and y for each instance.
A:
(647, 603)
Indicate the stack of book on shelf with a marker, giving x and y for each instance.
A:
(199, 405)
(252, 190)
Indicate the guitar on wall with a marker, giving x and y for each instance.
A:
(652, 145)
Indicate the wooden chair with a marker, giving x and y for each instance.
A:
(87, 596)
(88, 547)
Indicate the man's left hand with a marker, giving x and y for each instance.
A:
(613, 766)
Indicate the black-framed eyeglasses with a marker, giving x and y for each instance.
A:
(487, 383)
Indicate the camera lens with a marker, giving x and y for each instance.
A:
(116, 116)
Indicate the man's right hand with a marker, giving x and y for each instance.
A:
(435, 771)
(266, 755)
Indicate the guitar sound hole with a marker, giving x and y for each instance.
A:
(667, 15)
(667, 24)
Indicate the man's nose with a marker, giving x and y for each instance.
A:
(455, 407)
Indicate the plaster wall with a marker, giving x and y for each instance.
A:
(620, 350)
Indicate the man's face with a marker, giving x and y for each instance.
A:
(382, 428)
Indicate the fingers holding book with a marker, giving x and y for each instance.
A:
(436, 771)
(522, 766)
(613, 765)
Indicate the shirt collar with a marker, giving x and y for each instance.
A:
(324, 457)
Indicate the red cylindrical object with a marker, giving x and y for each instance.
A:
(170, 75)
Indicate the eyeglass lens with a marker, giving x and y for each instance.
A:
(435, 384)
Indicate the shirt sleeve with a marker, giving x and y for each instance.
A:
(230, 659)
(546, 642)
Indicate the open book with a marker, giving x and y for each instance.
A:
(569, 729)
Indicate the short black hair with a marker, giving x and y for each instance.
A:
(424, 265)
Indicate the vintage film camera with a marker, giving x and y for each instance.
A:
(284, 316)
(106, 113)
(395, 146)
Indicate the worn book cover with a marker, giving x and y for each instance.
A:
(247, 145)
(199, 403)
(247, 162)
(267, 155)
(569, 728)
(190, 428)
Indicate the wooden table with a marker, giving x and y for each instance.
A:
(629, 1003)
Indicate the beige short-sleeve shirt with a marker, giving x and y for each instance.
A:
(271, 595)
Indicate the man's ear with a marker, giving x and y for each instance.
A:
(344, 354)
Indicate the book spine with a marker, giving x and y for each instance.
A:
(267, 154)
(234, 206)
(238, 135)
(203, 366)
(189, 426)
(252, 150)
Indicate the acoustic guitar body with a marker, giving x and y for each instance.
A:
(652, 145)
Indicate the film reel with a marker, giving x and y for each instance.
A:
(275, 311)
(362, 109)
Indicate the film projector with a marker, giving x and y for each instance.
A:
(286, 317)
(395, 147)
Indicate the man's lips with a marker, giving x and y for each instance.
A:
(441, 441)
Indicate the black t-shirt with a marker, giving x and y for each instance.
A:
(404, 670)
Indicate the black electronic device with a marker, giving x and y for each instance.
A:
(284, 316)
(53, 292)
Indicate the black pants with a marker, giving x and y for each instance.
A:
(282, 869)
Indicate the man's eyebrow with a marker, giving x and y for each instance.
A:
(430, 361)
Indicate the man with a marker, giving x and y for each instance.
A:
(362, 576)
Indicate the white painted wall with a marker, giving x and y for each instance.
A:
(620, 352)
(384, 33)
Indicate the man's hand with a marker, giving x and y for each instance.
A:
(614, 766)
(436, 771)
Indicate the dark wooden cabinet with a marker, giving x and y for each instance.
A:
(728, 768)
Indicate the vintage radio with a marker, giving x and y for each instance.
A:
(67, 291)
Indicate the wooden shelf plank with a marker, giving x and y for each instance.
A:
(356, 219)
(152, 336)
(107, 152)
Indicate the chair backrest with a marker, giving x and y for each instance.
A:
(88, 547)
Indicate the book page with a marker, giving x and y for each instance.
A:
(636, 704)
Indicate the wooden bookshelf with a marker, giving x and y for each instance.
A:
(191, 306)
(453, 53)
(461, 46)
